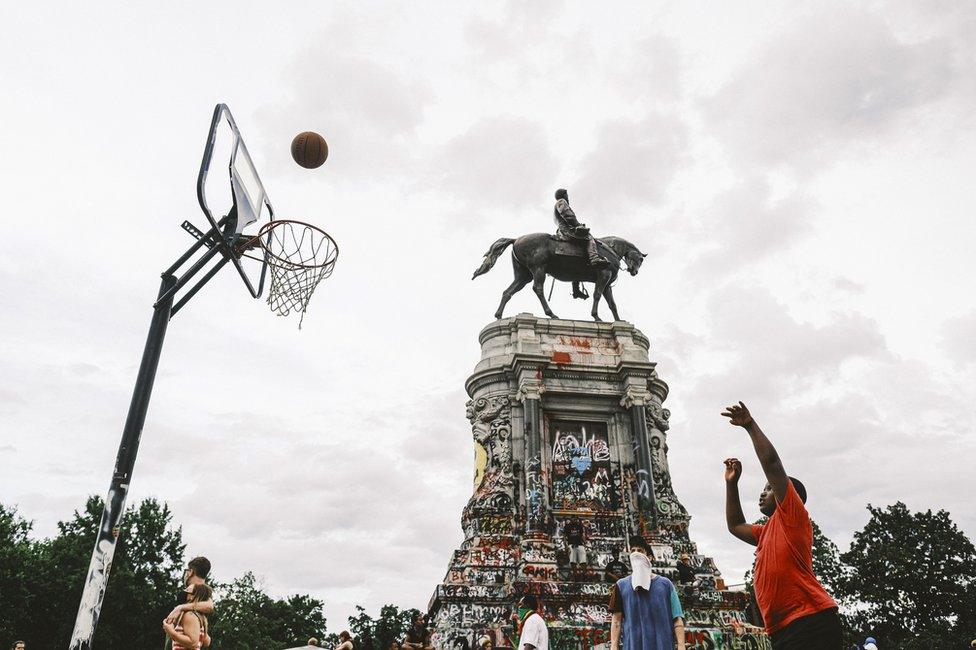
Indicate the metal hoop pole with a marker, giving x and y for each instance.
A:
(108, 529)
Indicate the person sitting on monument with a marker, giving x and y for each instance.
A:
(797, 610)
(418, 636)
(686, 574)
(575, 536)
(645, 608)
(568, 228)
(615, 569)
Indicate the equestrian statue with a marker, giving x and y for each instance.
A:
(571, 255)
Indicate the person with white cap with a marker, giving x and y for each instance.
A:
(646, 612)
(870, 643)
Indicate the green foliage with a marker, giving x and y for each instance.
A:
(17, 561)
(247, 618)
(376, 634)
(144, 581)
(912, 579)
(908, 579)
(41, 583)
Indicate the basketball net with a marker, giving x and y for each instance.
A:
(299, 256)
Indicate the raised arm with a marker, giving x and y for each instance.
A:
(772, 466)
(734, 519)
(205, 607)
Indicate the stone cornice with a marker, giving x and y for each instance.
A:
(564, 327)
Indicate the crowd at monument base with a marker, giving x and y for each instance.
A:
(571, 463)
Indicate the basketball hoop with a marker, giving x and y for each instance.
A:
(299, 256)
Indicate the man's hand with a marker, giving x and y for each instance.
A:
(738, 415)
(733, 470)
(174, 615)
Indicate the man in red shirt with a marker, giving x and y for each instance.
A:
(798, 612)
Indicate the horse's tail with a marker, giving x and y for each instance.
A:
(492, 255)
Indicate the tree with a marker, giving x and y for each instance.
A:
(246, 617)
(912, 579)
(17, 557)
(142, 588)
(41, 583)
(392, 624)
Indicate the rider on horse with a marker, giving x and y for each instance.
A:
(570, 229)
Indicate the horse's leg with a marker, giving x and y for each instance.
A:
(522, 278)
(539, 285)
(608, 293)
(601, 284)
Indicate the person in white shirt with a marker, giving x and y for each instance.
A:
(534, 635)
(870, 643)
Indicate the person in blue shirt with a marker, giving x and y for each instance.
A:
(645, 607)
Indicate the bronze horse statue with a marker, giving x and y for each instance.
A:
(539, 254)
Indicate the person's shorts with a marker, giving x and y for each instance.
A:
(820, 631)
(577, 555)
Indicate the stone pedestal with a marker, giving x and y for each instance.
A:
(569, 424)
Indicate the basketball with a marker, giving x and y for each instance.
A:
(309, 149)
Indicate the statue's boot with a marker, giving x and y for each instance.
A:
(595, 259)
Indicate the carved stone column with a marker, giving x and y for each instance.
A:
(635, 400)
(536, 492)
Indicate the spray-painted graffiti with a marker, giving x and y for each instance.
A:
(539, 572)
(581, 476)
(489, 525)
(514, 522)
(493, 555)
(458, 614)
(725, 640)
(594, 527)
(667, 501)
(98, 570)
(480, 592)
(538, 552)
(663, 553)
(534, 498)
(574, 638)
(479, 576)
(494, 482)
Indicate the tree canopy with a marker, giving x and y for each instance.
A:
(41, 583)
(911, 579)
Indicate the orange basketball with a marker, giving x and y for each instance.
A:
(309, 149)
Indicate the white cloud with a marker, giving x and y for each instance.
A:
(798, 176)
(959, 338)
(499, 162)
(632, 162)
(831, 79)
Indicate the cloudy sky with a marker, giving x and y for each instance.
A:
(799, 174)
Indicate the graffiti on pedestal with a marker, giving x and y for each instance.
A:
(490, 510)
(581, 468)
(665, 498)
(543, 464)
(726, 640)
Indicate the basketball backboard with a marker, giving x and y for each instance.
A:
(246, 205)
